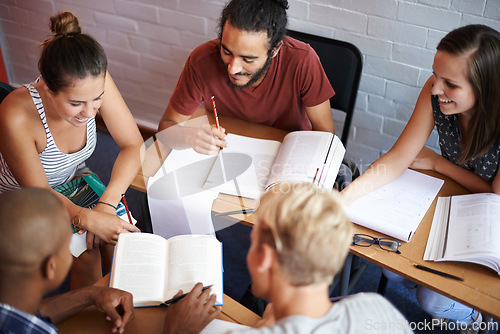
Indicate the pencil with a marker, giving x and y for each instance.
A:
(215, 112)
(220, 151)
(315, 175)
(437, 272)
(175, 299)
(126, 209)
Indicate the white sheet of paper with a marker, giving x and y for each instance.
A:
(177, 202)
(220, 326)
(397, 208)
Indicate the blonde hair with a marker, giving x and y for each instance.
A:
(308, 228)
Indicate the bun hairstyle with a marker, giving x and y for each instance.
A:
(64, 23)
(256, 16)
(69, 54)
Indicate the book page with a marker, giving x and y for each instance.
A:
(139, 267)
(473, 229)
(301, 157)
(397, 208)
(326, 178)
(242, 168)
(221, 326)
(437, 235)
(193, 259)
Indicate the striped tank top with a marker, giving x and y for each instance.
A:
(59, 167)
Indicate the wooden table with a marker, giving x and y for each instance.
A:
(147, 319)
(480, 288)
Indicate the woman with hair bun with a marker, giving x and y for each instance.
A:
(47, 131)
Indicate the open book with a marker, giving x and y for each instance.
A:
(397, 208)
(249, 166)
(153, 269)
(466, 228)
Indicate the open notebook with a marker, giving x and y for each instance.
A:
(397, 208)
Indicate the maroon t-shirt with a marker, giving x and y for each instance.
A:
(294, 81)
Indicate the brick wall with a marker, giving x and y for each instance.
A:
(148, 41)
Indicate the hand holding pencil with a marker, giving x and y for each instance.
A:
(208, 139)
(217, 125)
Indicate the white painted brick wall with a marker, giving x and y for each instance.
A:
(148, 41)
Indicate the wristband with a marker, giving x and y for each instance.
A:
(114, 207)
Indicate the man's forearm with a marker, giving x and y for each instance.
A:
(61, 307)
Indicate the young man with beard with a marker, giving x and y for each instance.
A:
(255, 73)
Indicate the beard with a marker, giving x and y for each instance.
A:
(253, 77)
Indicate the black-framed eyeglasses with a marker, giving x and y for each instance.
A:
(365, 240)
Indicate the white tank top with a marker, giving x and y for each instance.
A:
(59, 167)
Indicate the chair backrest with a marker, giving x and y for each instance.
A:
(5, 89)
(342, 64)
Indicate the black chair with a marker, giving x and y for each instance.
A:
(342, 63)
(5, 89)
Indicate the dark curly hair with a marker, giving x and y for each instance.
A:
(256, 16)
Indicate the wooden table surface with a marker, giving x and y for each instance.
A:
(480, 288)
(147, 319)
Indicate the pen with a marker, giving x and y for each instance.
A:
(243, 211)
(437, 272)
(175, 299)
(126, 209)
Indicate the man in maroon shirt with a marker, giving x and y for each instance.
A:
(255, 73)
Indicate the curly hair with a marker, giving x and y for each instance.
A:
(256, 16)
(308, 228)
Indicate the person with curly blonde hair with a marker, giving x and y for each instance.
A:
(299, 242)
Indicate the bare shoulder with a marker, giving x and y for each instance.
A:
(17, 112)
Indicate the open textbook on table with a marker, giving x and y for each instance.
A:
(249, 165)
(153, 269)
(397, 208)
(466, 228)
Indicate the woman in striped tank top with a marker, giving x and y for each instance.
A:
(47, 129)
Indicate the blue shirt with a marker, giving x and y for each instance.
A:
(16, 322)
